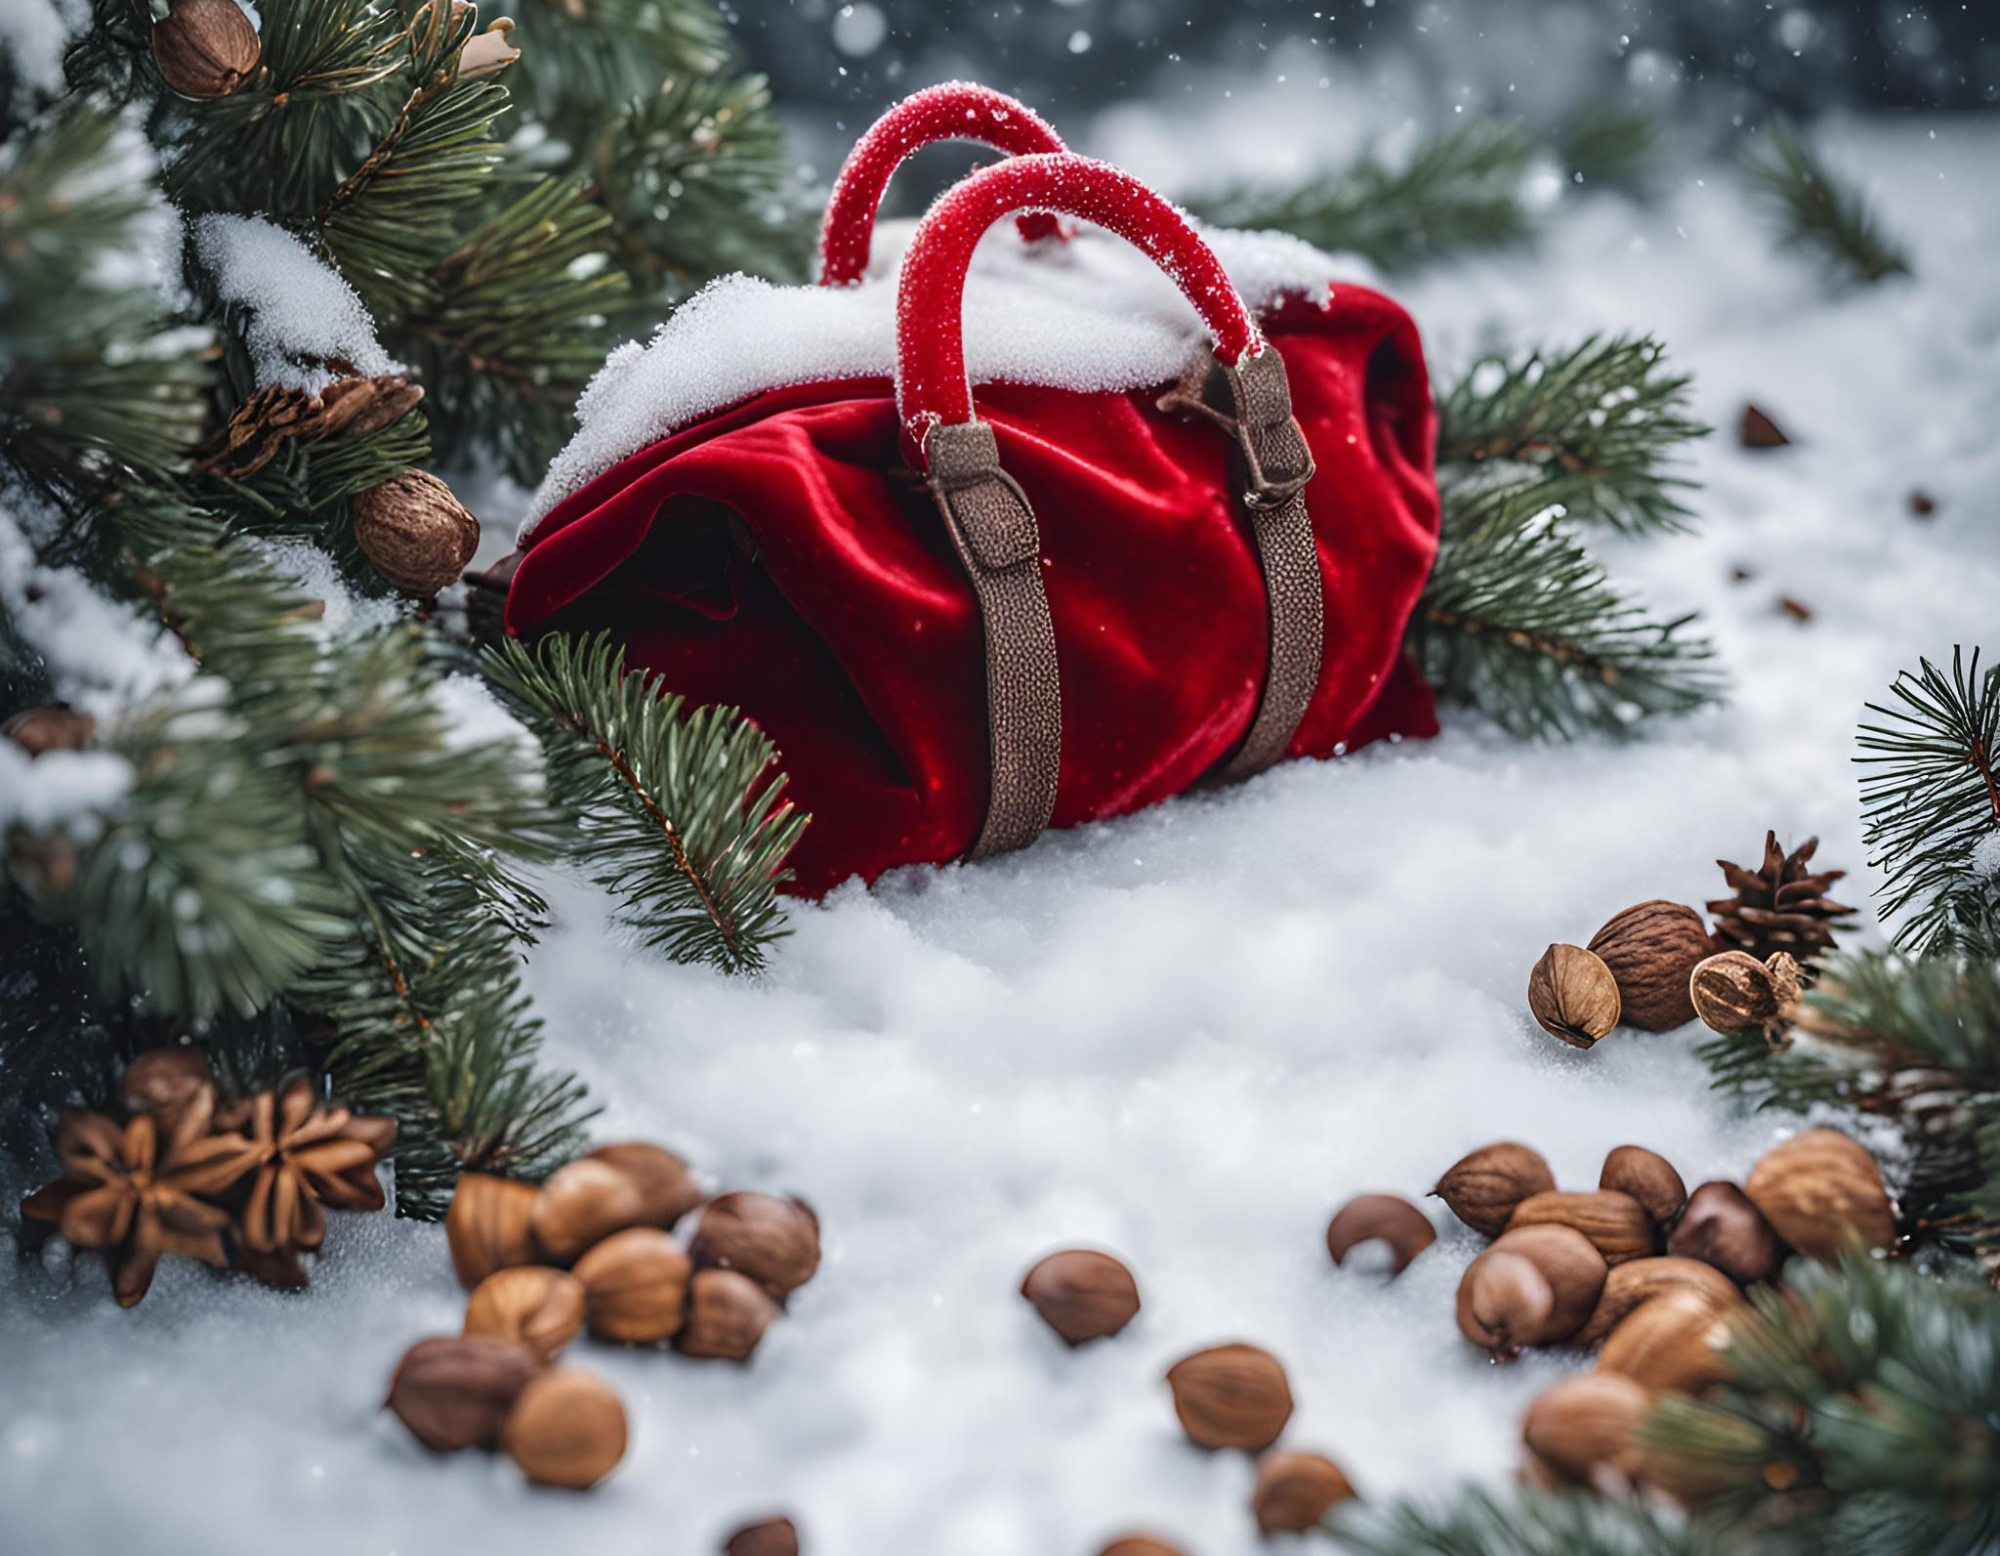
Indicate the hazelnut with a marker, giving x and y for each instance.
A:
(1082, 1295)
(1534, 1286)
(1140, 1545)
(1820, 1191)
(766, 1537)
(727, 1315)
(1649, 1178)
(454, 1392)
(163, 1081)
(1573, 995)
(567, 1429)
(1722, 1227)
(634, 1286)
(205, 48)
(1739, 996)
(1387, 1218)
(1231, 1396)
(773, 1241)
(1672, 1342)
(1652, 950)
(531, 1303)
(664, 1182)
(1580, 1430)
(1640, 1280)
(487, 1226)
(1483, 1187)
(582, 1204)
(1294, 1491)
(1616, 1224)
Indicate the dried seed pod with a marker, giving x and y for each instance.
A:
(415, 531)
(487, 1226)
(1082, 1294)
(539, 1307)
(581, 1205)
(1483, 1187)
(1649, 1178)
(454, 1392)
(567, 1429)
(1294, 1491)
(1140, 1545)
(1819, 1190)
(1616, 1224)
(163, 1081)
(664, 1182)
(1386, 1218)
(1640, 1280)
(1652, 949)
(205, 48)
(766, 1537)
(773, 1241)
(1573, 995)
(1670, 1343)
(1231, 1396)
(634, 1286)
(727, 1315)
(1739, 996)
(1582, 1428)
(1722, 1227)
(39, 731)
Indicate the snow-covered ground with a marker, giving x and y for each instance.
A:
(1187, 1037)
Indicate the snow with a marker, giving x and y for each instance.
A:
(1187, 1037)
(302, 315)
(33, 34)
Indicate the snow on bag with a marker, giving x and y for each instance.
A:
(1174, 538)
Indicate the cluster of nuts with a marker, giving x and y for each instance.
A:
(593, 1248)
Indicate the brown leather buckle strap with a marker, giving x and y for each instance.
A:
(1252, 402)
(993, 529)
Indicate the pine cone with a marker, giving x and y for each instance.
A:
(348, 407)
(1779, 907)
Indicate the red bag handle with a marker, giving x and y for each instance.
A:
(957, 110)
(931, 387)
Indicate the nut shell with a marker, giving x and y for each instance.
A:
(205, 48)
(1385, 1218)
(487, 1226)
(581, 1205)
(766, 1537)
(1140, 1545)
(415, 531)
(635, 1286)
(1819, 1190)
(532, 1304)
(453, 1392)
(665, 1184)
(39, 731)
(1652, 949)
(773, 1241)
(1739, 996)
(1670, 1343)
(1616, 1224)
(1572, 1268)
(1231, 1396)
(1483, 1186)
(727, 1314)
(1573, 995)
(1722, 1227)
(1640, 1280)
(1082, 1294)
(1294, 1491)
(1582, 1427)
(567, 1429)
(1649, 1178)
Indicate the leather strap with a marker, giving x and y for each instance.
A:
(993, 529)
(1252, 402)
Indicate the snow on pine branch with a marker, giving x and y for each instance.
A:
(302, 315)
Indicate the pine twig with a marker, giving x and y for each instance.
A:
(1812, 209)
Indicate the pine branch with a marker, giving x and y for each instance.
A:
(1522, 1521)
(682, 815)
(1812, 209)
(1606, 413)
(1606, 144)
(581, 60)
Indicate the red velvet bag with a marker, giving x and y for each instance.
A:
(1172, 546)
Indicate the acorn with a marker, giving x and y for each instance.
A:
(1573, 995)
(727, 1314)
(634, 1286)
(1294, 1491)
(1082, 1294)
(1640, 1280)
(766, 1537)
(1534, 1286)
(1616, 1224)
(1722, 1227)
(39, 731)
(665, 1185)
(205, 48)
(1231, 1396)
(567, 1429)
(1672, 1343)
(581, 1205)
(1483, 1187)
(1649, 1178)
(1580, 1431)
(415, 531)
(773, 1241)
(1386, 1218)
(453, 1392)
(487, 1226)
(1652, 949)
(539, 1307)
(1819, 1191)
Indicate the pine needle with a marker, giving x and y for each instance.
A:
(1813, 210)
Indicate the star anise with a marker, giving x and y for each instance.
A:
(136, 1191)
(308, 1155)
